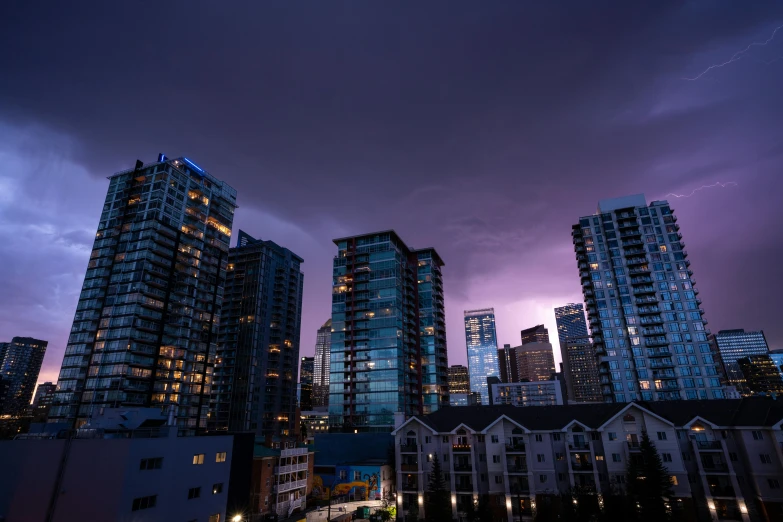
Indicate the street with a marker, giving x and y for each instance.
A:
(337, 509)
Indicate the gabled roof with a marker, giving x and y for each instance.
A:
(464, 426)
(699, 419)
(636, 406)
(512, 421)
(416, 419)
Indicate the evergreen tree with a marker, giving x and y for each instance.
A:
(437, 502)
(649, 483)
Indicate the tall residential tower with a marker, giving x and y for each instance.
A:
(20, 364)
(482, 343)
(323, 344)
(388, 352)
(145, 329)
(645, 314)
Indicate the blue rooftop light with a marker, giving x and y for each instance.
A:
(193, 165)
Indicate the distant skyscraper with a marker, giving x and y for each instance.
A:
(736, 344)
(145, 329)
(644, 312)
(388, 351)
(323, 343)
(535, 362)
(580, 370)
(42, 401)
(459, 380)
(306, 371)
(507, 360)
(257, 358)
(482, 345)
(571, 322)
(19, 367)
(777, 358)
(761, 376)
(536, 334)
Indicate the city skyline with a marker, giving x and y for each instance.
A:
(633, 129)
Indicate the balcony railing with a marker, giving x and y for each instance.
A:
(633, 445)
(463, 487)
(516, 447)
(463, 468)
(409, 447)
(461, 448)
(708, 444)
(579, 445)
(583, 466)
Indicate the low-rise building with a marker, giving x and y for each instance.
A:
(282, 477)
(725, 457)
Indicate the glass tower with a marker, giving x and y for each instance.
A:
(732, 345)
(145, 329)
(571, 322)
(646, 318)
(258, 351)
(20, 364)
(306, 370)
(323, 343)
(388, 351)
(482, 345)
(459, 382)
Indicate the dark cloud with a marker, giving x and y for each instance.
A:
(482, 129)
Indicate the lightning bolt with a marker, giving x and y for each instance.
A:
(737, 56)
(694, 191)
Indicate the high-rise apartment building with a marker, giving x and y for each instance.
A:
(580, 370)
(388, 351)
(323, 343)
(761, 376)
(732, 345)
(507, 360)
(306, 371)
(535, 334)
(482, 344)
(42, 401)
(571, 322)
(145, 329)
(20, 364)
(459, 379)
(535, 361)
(645, 315)
(258, 354)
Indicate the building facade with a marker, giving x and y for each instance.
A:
(777, 359)
(521, 394)
(323, 343)
(761, 375)
(282, 479)
(42, 401)
(732, 345)
(580, 370)
(507, 360)
(257, 359)
(535, 361)
(20, 364)
(459, 379)
(535, 334)
(723, 456)
(570, 320)
(645, 315)
(145, 329)
(482, 345)
(306, 372)
(388, 346)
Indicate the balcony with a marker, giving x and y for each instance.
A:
(409, 447)
(715, 467)
(409, 467)
(515, 447)
(707, 445)
(464, 486)
(410, 485)
(517, 467)
(460, 448)
(640, 290)
(579, 445)
(633, 446)
(463, 468)
(655, 341)
(581, 466)
(288, 486)
(647, 300)
(649, 310)
(721, 489)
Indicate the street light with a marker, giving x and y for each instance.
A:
(237, 518)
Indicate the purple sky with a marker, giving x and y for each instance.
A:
(483, 129)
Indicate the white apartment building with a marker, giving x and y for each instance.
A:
(725, 457)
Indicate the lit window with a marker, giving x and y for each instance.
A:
(198, 459)
(220, 456)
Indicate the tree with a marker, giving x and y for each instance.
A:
(437, 504)
(649, 483)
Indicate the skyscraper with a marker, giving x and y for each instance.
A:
(535, 334)
(44, 394)
(535, 361)
(388, 351)
(777, 359)
(459, 381)
(507, 360)
(323, 343)
(145, 329)
(482, 344)
(20, 363)
(580, 370)
(306, 371)
(732, 345)
(645, 316)
(570, 321)
(257, 358)
(760, 375)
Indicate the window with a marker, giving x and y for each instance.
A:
(357, 476)
(773, 483)
(542, 478)
(757, 435)
(616, 457)
(498, 479)
(661, 435)
(599, 457)
(495, 439)
(667, 457)
(496, 459)
(220, 456)
(343, 474)
(198, 459)
(674, 480)
(480, 438)
(155, 463)
(194, 493)
(765, 458)
(217, 488)
(540, 457)
(144, 502)
(539, 437)
(445, 439)
(612, 435)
